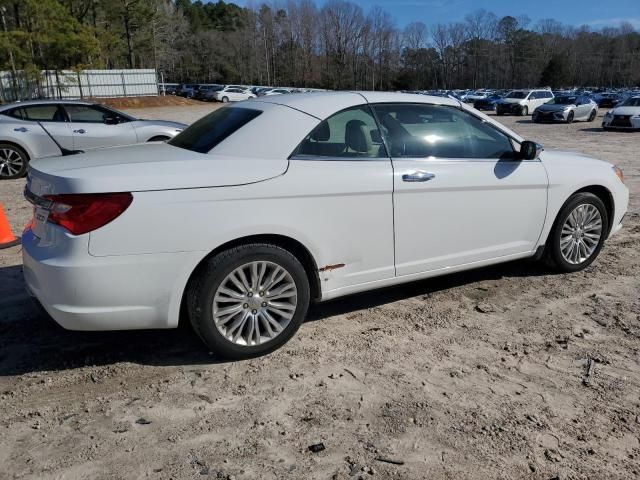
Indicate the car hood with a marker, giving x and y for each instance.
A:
(161, 123)
(626, 111)
(553, 108)
(147, 167)
(571, 159)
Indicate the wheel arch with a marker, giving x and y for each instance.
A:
(295, 247)
(604, 194)
(20, 146)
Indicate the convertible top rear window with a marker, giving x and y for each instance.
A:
(212, 129)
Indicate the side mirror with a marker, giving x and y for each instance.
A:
(529, 150)
(108, 120)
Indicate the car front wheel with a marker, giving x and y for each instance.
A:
(249, 300)
(578, 233)
(592, 115)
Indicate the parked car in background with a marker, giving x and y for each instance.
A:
(488, 103)
(522, 102)
(607, 99)
(187, 90)
(416, 187)
(204, 90)
(75, 125)
(566, 109)
(277, 91)
(625, 116)
(232, 94)
(168, 88)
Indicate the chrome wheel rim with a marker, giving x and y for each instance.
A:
(11, 162)
(581, 234)
(255, 303)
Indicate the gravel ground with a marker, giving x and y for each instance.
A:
(506, 372)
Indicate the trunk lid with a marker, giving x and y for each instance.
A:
(144, 167)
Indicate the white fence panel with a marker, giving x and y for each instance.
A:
(73, 85)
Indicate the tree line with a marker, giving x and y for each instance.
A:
(334, 44)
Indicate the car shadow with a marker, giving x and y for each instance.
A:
(30, 341)
(594, 130)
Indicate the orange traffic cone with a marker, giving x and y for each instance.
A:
(7, 238)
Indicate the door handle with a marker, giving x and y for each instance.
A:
(82, 130)
(419, 176)
(21, 129)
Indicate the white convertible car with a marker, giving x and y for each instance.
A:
(262, 207)
(45, 128)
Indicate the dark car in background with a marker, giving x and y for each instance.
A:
(489, 103)
(204, 92)
(607, 99)
(187, 90)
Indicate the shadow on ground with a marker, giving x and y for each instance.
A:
(30, 341)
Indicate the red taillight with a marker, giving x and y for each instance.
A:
(83, 213)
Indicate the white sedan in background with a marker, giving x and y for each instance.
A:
(260, 208)
(625, 116)
(42, 128)
(233, 94)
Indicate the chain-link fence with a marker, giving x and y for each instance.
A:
(72, 84)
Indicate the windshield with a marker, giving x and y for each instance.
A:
(563, 101)
(631, 102)
(517, 94)
(212, 129)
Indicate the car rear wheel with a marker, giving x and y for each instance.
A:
(14, 161)
(225, 99)
(578, 233)
(592, 115)
(249, 300)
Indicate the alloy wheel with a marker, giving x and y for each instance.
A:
(254, 303)
(581, 234)
(11, 162)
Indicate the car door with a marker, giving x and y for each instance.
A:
(51, 116)
(583, 107)
(347, 179)
(460, 195)
(92, 127)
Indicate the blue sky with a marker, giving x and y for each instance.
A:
(595, 13)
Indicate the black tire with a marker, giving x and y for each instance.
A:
(225, 99)
(159, 138)
(570, 117)
(592, 116)
(553, 253)
(202, 288)
(11, 150)
(499, 113)
(524, 111)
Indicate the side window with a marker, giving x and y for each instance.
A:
(534, 96)
(43, 113)
(94, 114)
(16, 113)
(421, 131)
(85, 113)
(351, 133)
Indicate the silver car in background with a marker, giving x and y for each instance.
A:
(47, 128)
(566, 108)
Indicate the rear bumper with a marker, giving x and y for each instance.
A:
(83, 292)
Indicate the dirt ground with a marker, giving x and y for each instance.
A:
(502, 373)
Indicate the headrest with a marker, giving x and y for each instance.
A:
(321, 133)
(355, 136)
